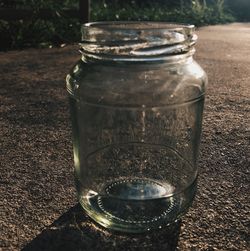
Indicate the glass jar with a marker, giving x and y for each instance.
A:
(136, 99)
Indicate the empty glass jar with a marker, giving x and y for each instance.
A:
(136, 99)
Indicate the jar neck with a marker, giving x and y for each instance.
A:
(137, 41)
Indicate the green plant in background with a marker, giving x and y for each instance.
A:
(197, 12)
(36, 32)
(203, 13)
(60, 29)
(240, 9)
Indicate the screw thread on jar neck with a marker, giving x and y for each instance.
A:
(137, 41)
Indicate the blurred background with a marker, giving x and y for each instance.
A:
(51, 23)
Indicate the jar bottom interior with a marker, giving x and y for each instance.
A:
(136, 205)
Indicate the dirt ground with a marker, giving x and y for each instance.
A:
(39, 210)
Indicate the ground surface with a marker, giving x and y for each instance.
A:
(36, 156)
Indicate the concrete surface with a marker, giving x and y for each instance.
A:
(39, 210)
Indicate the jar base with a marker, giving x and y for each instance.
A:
(137, 205)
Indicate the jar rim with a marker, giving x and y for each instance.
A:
(138, 25)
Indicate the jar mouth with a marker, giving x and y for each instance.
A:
(138, 25)
(136, 40)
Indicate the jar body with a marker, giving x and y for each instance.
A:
(136, 133)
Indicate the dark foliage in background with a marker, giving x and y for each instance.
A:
(60, 29)
(36, 32)
(198, 12)
(240, 9)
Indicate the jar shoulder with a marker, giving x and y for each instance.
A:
(157, 83)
